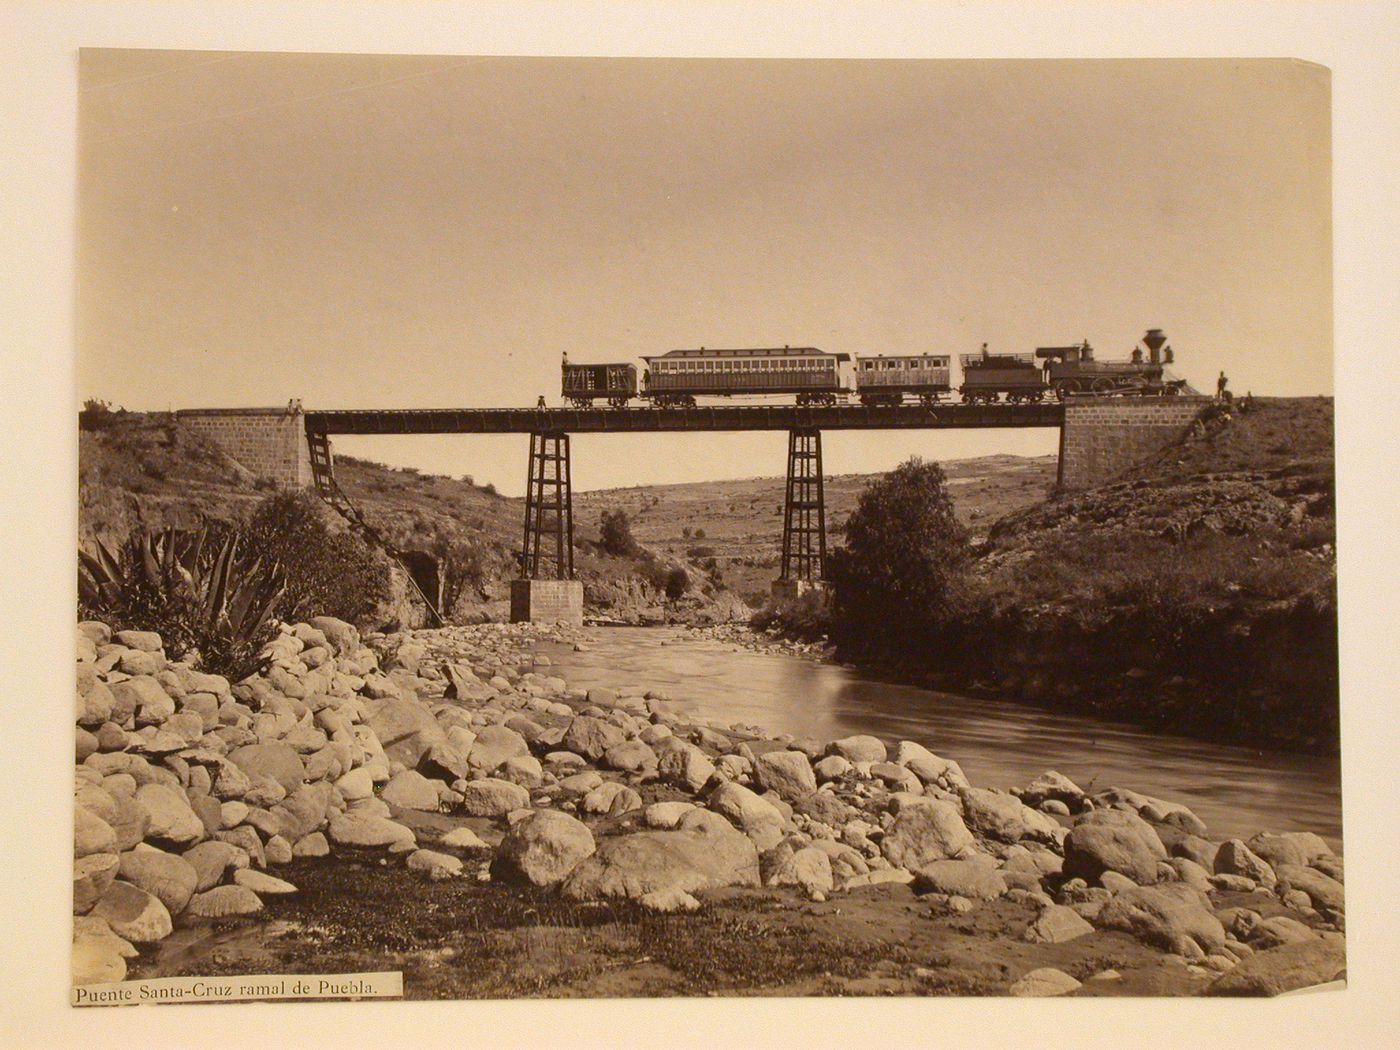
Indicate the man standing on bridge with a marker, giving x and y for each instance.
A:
(540, 402)
(1220, 393)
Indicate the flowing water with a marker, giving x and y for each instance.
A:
(1237, 791)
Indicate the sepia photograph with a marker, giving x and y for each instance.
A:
(728, 528)
(663, 527)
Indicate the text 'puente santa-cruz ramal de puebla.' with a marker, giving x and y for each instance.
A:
(1110, 414)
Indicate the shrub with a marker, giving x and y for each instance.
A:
(677, 582)
(328, 573)
(489, 489)
(615, 534)
(699, 534)
(97, 415)
(204, 592)
(700, 552)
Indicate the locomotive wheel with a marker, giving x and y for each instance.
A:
(1103, 386)
(1036, 396)
(1064, 388)
(968, 398)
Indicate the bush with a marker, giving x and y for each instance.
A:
(895, 579)
(97, 415)
(489, 489)
(677, 582)
(328, 573)
(615, 534)
(700, 552)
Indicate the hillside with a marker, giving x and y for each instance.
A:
(1198, 591)
(739, 523)
(145, 468)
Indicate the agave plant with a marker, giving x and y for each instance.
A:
(197, 588)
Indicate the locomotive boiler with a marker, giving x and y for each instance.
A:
(1074, 369)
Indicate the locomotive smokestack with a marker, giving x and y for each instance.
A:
(1155, 339)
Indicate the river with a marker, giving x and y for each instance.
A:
(1237, 791)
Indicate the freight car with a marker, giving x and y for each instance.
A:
(1073, 370)
(986, 377)
(680, 376)
(584, 383)
(887, 380)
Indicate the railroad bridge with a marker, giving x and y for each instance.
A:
(1099, 438)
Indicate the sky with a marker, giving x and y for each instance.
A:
(394, 231)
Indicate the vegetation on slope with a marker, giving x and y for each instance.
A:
(1200, 599)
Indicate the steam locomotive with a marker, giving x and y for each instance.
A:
(816, 377)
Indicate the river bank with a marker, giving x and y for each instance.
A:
(601, 842)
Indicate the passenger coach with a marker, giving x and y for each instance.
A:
(678, 377)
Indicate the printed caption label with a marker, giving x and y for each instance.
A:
(248, 986)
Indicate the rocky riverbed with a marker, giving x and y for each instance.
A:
(439, 802)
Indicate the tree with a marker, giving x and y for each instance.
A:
(615, 534)
(895, 579)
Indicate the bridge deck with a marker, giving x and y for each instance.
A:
(658, 420)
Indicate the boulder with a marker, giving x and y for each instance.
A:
(143, 641)
(133, 914)
(963, 878)
(700, 855)
(1004, 817)
(312, 845)
(832, 767)
(789, 773)
(1299, 848)
(1046, 981)
(858, 749)
(492, 798)
(1113, 840)
(687, 766)
(92, 875)
(1057, 924)
(92, 834)
(611, 798)
(412, 790)
(261, 883)
(361, 829)
(276, 761)
(171, 818)
(665, 815)
(543, 849)
(925, 832)
(170, 879)
(462, 838)
(1278, 929)
(224, 902)
(807, 868)
(435, 865)
(1053, 786)
(210, 860)
(493, 745)
(591, 737)
(405, 728)
(1326, 894)
(1235, 858)
(97, 960)
(1298, 964)
(631, 756)
(1166, 916)
(341, 636)
(757, 817)
(524, 770)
